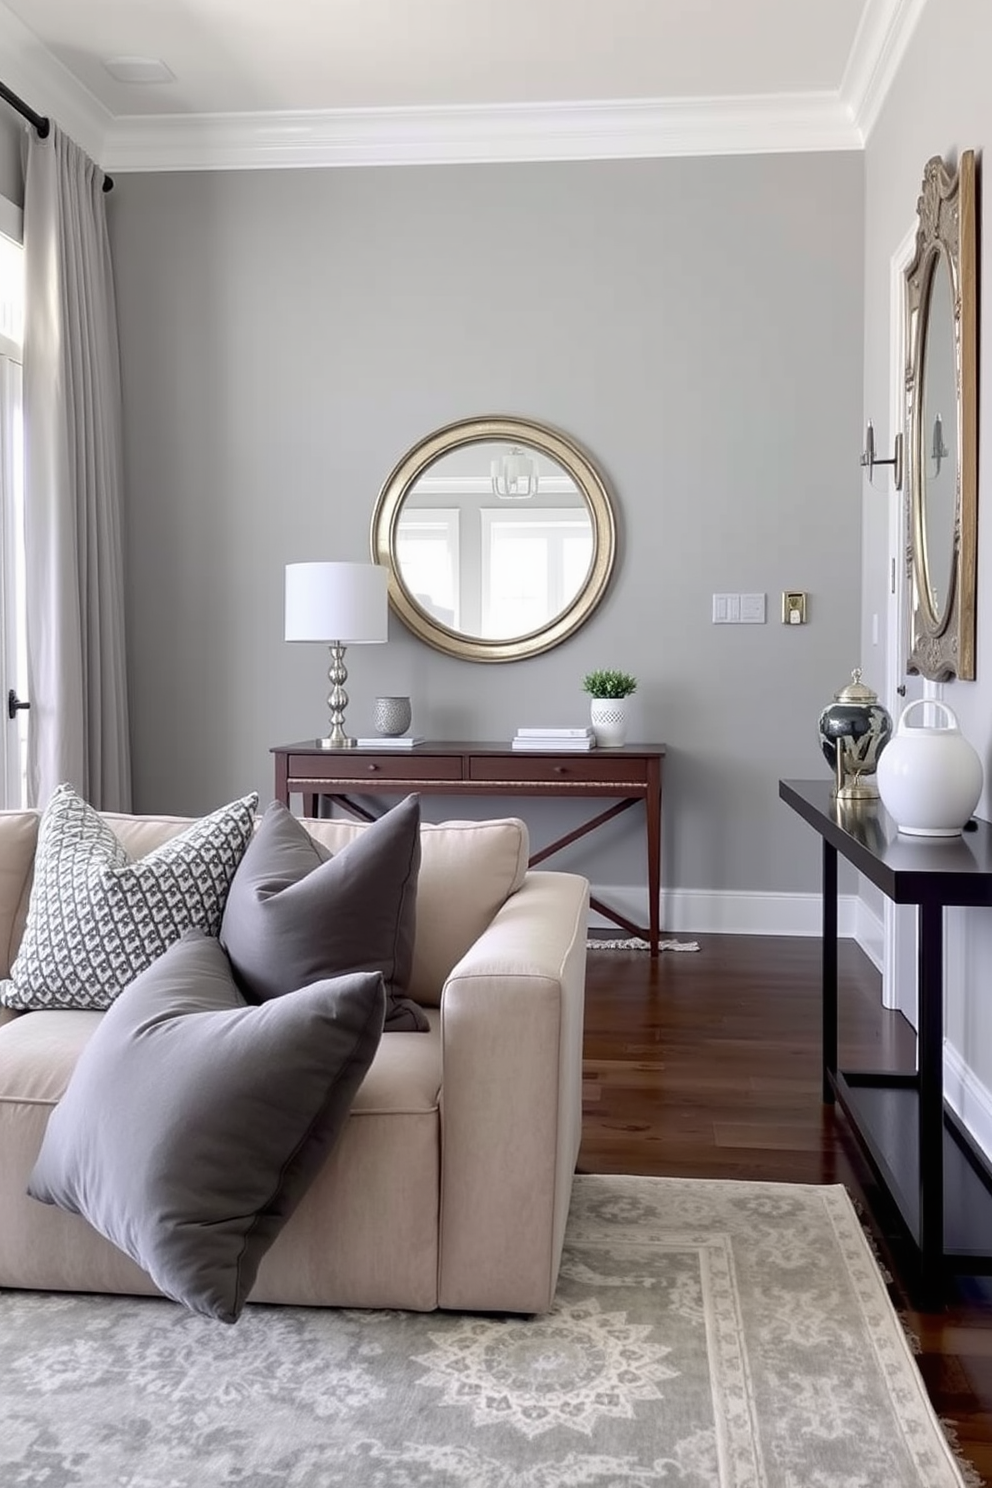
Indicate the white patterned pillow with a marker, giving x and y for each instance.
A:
(97, 918)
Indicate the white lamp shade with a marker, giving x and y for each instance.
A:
(343, 602)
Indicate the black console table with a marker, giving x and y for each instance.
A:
(940, 1183)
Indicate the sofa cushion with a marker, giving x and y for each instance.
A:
(296, 913)
(468, 870)
(96, 918)
(193, 1123)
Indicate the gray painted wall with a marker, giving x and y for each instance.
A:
(940, 104)
(11, 172)
(696, 324)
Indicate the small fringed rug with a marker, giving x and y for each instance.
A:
(635, 943)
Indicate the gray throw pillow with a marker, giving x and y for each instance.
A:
(295, 913)
(193, 1124)
(96, 918)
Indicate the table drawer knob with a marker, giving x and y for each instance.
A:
(561, 769)
(372, 769)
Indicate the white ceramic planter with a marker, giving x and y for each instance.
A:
(609, 722)
(929, 778)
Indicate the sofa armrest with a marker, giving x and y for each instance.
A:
(511, 1099)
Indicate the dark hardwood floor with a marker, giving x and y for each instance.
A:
(708, 1065)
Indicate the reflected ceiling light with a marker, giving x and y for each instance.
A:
(514, 476)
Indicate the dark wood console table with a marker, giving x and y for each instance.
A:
(940, 1183)
(631, 774)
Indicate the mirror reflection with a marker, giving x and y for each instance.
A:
(499, 538)
(494, 539)
(938, 428)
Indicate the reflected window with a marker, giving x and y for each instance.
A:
(534, 561)
(427, 552)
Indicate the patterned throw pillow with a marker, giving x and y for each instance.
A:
(96, 919)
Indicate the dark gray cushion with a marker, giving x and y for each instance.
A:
(295, 913)
(193, 1123)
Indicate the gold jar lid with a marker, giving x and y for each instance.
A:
(856, 691)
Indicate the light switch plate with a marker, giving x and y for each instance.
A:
(752, 609)
(726, 609)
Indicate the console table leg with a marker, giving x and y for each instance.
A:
(930, 1067)
(652, 808)
(829, 971)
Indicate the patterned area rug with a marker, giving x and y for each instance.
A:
(705, 1335)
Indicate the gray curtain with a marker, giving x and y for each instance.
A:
(73, 535)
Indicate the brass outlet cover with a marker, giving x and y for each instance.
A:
(793, 607)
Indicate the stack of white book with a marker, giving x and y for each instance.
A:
(393, 741)
(554, 738)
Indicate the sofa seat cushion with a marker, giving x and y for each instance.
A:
(38, 1053)
(96, 918)
(193, 1123)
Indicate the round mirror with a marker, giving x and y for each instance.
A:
(937, 431)
(498, 536)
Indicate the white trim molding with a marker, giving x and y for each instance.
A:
(718, 912)
(968, 1098)
(879, 46)
(475, 135)
(593, 130)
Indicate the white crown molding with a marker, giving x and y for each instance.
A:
(436, 136)
(30, 71)
(879, 46)
(419, 136)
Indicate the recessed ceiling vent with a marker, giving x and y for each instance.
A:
(139, 70)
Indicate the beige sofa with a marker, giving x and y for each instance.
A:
(451, 1182)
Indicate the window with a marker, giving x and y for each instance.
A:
(13, 652)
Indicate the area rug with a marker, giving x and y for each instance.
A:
(635, 943)
(705, 1335)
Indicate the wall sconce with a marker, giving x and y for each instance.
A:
(341, 604)
(514, 476)
(938, 450)
(869, 459)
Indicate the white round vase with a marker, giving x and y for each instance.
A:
(929, 777)
(609, 722)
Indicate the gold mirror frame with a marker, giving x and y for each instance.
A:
(556, 446)
(942, 641)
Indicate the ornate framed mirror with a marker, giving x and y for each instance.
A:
(942, 424)
(499, 538)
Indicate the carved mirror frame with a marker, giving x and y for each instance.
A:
(942, 639)
(516, 432)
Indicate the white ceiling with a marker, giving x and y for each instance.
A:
(366, 81)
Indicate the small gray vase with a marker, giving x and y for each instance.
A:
(391, 716)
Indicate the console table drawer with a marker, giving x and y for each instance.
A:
(348, 767)
(527, 767)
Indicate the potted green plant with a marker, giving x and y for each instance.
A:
(609, 691)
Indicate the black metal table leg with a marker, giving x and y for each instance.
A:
(829, 972)
(930, 1068)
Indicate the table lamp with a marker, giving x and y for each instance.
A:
(341, 604)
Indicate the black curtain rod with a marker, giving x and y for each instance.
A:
(39, 121)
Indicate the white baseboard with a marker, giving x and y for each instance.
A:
(717, 912)
(968, 1098)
